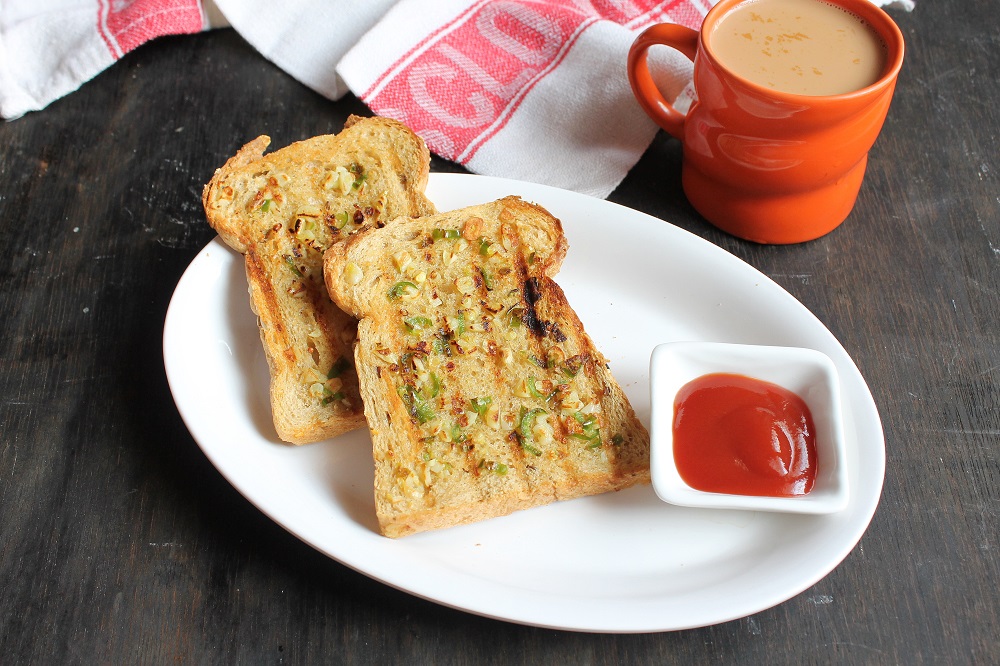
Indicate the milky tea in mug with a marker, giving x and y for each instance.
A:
(790, 95)
(805, 47)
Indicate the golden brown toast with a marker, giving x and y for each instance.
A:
(482, 391)
(282, 211)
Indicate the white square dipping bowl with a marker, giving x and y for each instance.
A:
(807, 372)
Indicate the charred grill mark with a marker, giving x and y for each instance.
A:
(530, 318)
(532, 293)
(539, 327)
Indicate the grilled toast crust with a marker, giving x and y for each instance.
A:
(282, 211)
(483, 393)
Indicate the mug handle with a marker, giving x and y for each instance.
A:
(650, 98)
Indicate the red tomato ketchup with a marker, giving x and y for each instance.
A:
(743, 436)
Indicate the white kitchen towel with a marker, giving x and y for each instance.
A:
(48, 48)
(530, 89)
(306, 38)
(520, 88)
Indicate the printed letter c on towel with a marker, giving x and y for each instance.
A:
(422, 75)
(516, 29)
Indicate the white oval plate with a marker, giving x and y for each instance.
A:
(619, 562)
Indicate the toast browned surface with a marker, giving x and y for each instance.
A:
(483, 393)
(282, 211)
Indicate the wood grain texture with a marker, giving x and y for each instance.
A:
(121, 543)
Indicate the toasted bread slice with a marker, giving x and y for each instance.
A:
(482, 391)
(282, 211)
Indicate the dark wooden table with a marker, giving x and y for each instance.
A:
(122, 544)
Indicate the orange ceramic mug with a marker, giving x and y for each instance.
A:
(760, 163)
